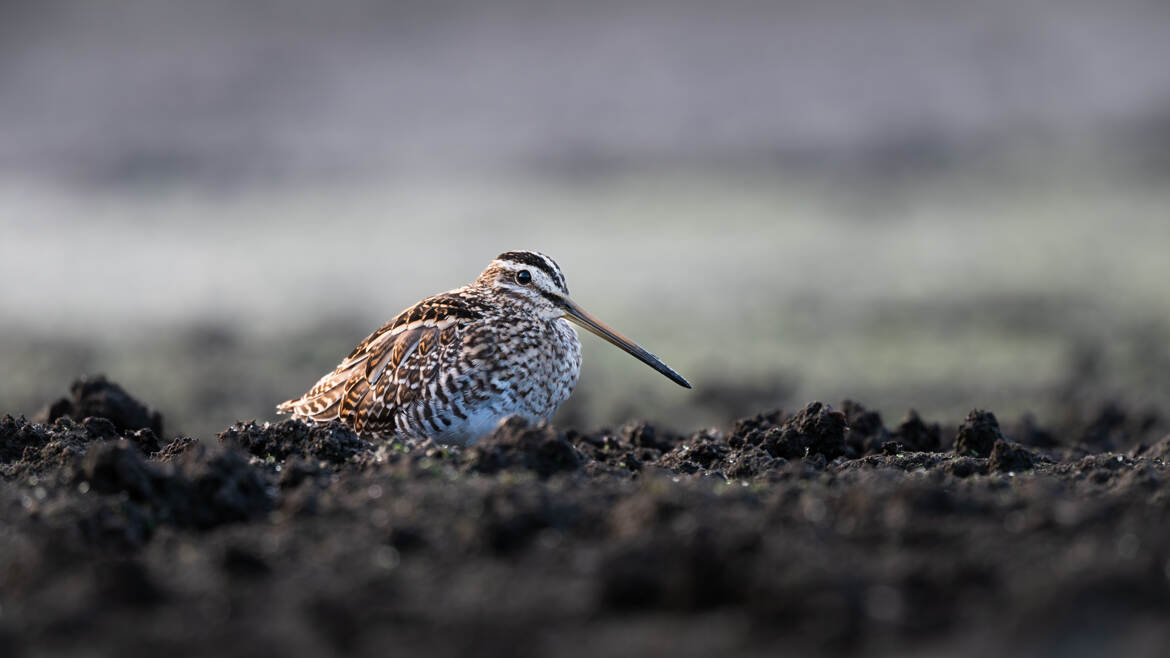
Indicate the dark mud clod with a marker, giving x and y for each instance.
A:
(865, 433)
(119, 467)
(1007, 456)
(98, 397)
(917, 435)
(203, 488)
(516, 444)
(220, 486)
(815, 430)
(333, 442)
(978, 434)
(99, 428)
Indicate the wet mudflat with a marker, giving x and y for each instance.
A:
(827, 529)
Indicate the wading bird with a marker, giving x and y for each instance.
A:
(453, 366)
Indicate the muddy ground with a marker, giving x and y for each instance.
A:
(826, 529)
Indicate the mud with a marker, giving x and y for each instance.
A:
(822, 529)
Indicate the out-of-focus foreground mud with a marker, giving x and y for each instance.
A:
(825, 529)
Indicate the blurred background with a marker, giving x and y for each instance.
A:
(905, 202)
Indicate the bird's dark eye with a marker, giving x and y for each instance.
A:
(524, 277)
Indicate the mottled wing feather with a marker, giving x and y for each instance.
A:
(388, 369)
(350, 410)
(367, 395)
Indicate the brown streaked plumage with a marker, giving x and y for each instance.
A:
(453, 366)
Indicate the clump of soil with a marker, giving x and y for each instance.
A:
(517, 446)
(978, 434)
(98, 397)
(335, 442)
(818, 530)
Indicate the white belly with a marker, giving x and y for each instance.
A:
(479, 424)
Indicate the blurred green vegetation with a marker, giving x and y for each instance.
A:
(992, 284)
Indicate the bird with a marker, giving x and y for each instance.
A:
(454, 366)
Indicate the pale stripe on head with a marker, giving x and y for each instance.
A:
(535, 262)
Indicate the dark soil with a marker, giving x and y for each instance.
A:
(820, 530)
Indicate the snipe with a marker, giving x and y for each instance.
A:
(453, 366)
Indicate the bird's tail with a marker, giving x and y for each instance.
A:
(323, 402)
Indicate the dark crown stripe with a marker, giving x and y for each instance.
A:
(560, 278)
(533, 260)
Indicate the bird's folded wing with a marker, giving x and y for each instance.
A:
(387, 366)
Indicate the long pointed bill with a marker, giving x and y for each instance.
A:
(578, 315)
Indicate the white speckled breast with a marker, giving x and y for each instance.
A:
(535, 369)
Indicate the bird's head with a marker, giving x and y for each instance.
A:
(536, 281)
